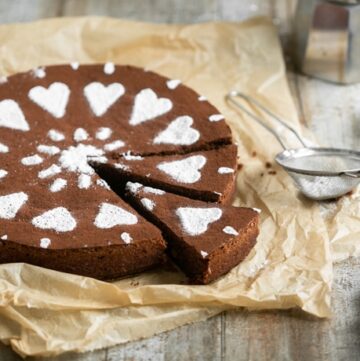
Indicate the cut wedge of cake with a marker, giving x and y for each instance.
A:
(205, 240)
(204, 175)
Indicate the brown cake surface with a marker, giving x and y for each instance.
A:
(205, 175)
(205, 239)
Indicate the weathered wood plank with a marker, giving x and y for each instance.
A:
(22, 10)
(292, 335)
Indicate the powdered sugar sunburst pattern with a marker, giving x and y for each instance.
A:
(73, 158)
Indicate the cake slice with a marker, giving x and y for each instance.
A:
(204, 175)
(205, 240)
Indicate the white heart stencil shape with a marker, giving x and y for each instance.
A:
(148, 106)
(195, 221)
(179, 132)
(58, 219)
(11, 203)
(110, 216)
(185, 170)
(53, 99)
(101, 97)
(11, 116)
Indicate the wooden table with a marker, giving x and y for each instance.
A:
(331, 113)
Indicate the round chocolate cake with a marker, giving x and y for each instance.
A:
(57, 210)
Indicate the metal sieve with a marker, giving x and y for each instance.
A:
(319, 173)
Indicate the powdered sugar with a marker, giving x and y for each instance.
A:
(48, 149)
(147, 203)
(216, 117)
(4, 237)
(55, 135)
(102, 183)
(126, 237)
(148, 106)
(114, 145)
(3, 173)
(58, 219)
(53, 99)
(230, 230)
(4, 148)
(184, 170)
(75, 159)
(11, 203)
(101, 97)
(133, 187)
(45, 242)
(3, 79)
(204, 254)
(121, 166)
(225, 170)
(49, 172)
(39, 72)
(173, 83)
(32, 160)
(109, 68)
(58, 185)
(153, 191)
(74, 65)
(257, 210)
(80, 134)
(202, 98)
(103, 133)
(129, 156)
(110, 216)
(195, 221)
(178, 132)
(11, 116)
(84, 181)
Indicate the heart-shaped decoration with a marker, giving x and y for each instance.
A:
(58, 219)
(101, 97)
(148, 106)
(179, 132)
(11, 116)
(195, 221)
(53, 99)
(110, 216)
(184, 170)
(11, 203)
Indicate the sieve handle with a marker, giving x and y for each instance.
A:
(235, 94)
(352, 174)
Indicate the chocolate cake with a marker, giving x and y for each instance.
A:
(55, 210)
(205, 175)
(205, 239)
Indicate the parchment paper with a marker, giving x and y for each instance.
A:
(43, 312)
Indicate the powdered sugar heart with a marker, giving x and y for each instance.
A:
(101, 97)
(148, 106)
(184, 170)
(53, 99)
(179, 132)
(58, 219)
(110, 216)
(11, 116)
(195, 221)
(11, 203)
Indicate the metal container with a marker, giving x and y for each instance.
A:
(327, 40)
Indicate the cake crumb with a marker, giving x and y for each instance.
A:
(272, 172)
(240, 166)
(254, 154)
(268, 165)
